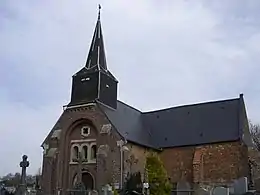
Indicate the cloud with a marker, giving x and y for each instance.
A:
(180, 51)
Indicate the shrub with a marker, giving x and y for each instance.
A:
(157, 176)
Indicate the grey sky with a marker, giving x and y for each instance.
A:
(164, 54)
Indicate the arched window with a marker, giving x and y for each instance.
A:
(93, 152)
(75, 153)
(85, 152)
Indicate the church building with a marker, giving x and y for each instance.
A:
(99, 139)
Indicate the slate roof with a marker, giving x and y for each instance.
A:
(96, 54)
(196, 124)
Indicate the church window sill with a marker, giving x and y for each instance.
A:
(84, 163)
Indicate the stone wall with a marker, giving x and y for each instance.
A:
(220, 162)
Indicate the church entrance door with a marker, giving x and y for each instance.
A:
(88, 180)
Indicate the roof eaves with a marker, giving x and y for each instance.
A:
(144, 145)
(201, 144)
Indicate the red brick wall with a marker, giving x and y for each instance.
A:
(220, 162)
(71, 122)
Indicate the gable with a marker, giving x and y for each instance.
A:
(55, 131)
(244, 125)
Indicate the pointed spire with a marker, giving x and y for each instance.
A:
(96, 56)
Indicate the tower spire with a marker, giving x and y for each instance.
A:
(96, 55)
(94, 82)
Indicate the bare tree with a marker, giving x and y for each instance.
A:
(254, 155)
(255, 134)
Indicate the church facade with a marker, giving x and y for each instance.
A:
(99, 139)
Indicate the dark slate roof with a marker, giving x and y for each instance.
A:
(128, 122)
(96, 60)
(96, 56)
(203, 123)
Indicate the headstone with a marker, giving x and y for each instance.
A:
(220, 191)
(107, 190)
(240, 186)
(257, 184)
(79, 189)
(116, 186)
(183, 188)
(202, 191)
(146, 185)
(94, 192)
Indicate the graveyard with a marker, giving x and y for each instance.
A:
(134, 185)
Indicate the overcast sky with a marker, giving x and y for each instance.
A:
(165, 53)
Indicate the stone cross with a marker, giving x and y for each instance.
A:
(131, 161)
(21, 190)
(24, 164)
(80, 187)
(79, 173)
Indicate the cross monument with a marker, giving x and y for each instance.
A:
(22, 186)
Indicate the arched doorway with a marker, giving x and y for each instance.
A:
(88, 180)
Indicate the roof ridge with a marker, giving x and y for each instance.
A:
(133, 108)
(188, 105)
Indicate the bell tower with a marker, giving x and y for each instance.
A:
(94, 82)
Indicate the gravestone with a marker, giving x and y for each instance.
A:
(24, 164)
(240, 186)
(183, 188)
(107, 190)
(201, 191)
(94, 192)
(257, 184)
(220, 191)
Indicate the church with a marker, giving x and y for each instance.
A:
(99, 139)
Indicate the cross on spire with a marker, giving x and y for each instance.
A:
(99, 8)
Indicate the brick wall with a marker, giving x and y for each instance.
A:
(107, 169)
(135, 159)
(220, 162)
